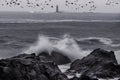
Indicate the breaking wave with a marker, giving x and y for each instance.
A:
(66, 45)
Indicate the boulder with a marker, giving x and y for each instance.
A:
(99, 63)
(56, 56)
(29, 67)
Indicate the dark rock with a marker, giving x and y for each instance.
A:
(83, 77)
(95, 79)
(29, 67)
(74, 78)
(99, 63)
(57, 57)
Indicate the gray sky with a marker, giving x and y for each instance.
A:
(99, 4)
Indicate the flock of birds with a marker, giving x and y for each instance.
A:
(78, 4)
(42, 4)
(27, 3)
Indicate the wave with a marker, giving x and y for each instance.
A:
(97, 40)
(110, 79)
(2, 41)
(50, 21)
(66, 45)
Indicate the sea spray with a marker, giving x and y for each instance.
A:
(65, 45)
(42, 44)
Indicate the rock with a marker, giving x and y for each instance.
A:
(99, 63)
(29, 67)
(83, 77)
(74, 78)
(57, 57)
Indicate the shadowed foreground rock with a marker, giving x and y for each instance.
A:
(29, 67)
(83, 77)
(99, 63)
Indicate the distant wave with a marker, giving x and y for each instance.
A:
(50, 21)
(97, 40)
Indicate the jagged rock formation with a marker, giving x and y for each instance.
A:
(99, 63)
(29, 67)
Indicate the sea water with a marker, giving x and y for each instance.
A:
(75, 35)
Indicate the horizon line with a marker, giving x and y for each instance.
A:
(63, 12)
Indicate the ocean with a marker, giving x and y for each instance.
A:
(76, 34)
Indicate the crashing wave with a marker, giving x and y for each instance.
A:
(66, 45)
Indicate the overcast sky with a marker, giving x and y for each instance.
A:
(100, 6)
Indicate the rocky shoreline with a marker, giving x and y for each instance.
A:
(98, 64)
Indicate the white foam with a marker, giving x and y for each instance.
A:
(66, 45)
(43, 44)
(64, 67)
(110, 79)
(117, 54)
(70, 76)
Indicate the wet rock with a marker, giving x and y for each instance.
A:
(99, 63)
(56, 56)
(29, 67)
